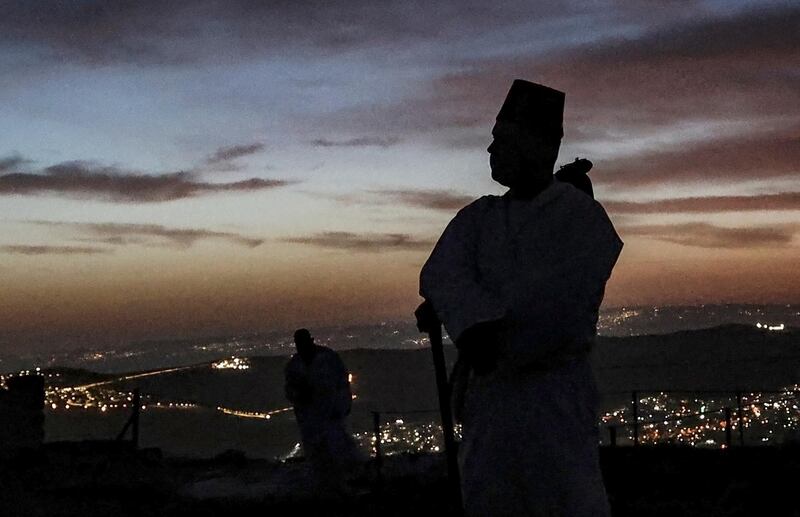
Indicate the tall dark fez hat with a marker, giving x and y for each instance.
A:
(535, 107)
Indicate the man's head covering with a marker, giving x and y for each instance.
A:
(536, 107)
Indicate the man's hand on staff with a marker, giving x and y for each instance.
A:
(426, 317)
(478, 346)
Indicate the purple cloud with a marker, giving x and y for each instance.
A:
(84, 180)
(19, 249)
(706, 235)
(148, 234)
(367, 242)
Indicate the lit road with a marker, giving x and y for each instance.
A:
(140, 375)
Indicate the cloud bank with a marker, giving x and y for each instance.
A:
(366, 242)
(227, 154)
(735, 71)
(85, 180)
(765, 202)
(52, 250)
(443, 200)
(357, 142)
(706, 235)
(180, 32)
(117, 234)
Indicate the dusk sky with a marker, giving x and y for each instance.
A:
(204, 167)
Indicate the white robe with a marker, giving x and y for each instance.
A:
(320, 393)
(530, 438)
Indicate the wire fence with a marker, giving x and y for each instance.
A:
(687, 417)
(699, 418)
(728, 418)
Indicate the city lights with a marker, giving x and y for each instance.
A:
(399, 436)
(668, 418)
(773, 328)
(233, 363)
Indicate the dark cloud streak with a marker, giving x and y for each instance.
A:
(20, 249)
(11, 162)
(737, 69)
(121, 234)
(711, 67)
(90, 181)
(444, 200)
(706, 235)
(764, 202)
(357, 142)
(739, 157)
(181, 32)
(371, 243)
(225, 154)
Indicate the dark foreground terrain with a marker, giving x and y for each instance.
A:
(92, 479)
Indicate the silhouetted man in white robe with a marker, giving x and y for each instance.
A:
(517, 281)
(318, 386)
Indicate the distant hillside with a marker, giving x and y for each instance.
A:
(402, 381)
(75, 376)
(727, 357)
(721, 358)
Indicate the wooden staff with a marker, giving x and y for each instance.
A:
(434, 331)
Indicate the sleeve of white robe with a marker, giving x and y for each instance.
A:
(605, 245)
(450, 277)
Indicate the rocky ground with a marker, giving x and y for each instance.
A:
(89, 479)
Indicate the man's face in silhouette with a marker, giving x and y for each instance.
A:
(304, 344)
(519, 158)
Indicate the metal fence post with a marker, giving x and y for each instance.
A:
(137, 405)
(133, 420)
(635, 402)
(376, 428)
(740, 415)
(728, 426)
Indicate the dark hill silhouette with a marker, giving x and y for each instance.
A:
(729, 357)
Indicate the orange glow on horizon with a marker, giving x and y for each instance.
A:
(217, 295)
